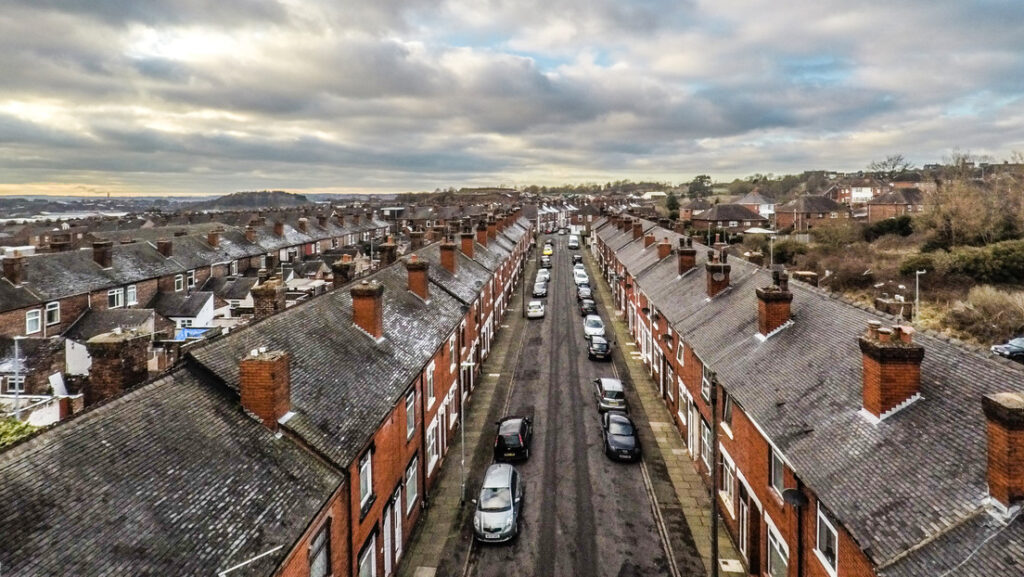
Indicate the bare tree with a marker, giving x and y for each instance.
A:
(893, 166)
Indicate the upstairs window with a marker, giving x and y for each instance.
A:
(778, 556)
(365, 479)
(32, 322)
(680, 350)
(827, 542)
(705, 383)
(191, 277)
(115, 298)
(133, 297)
(320, 552)
(410, 414)
(727, 409)
(430, 384)
(179, 283)
(412, 486)
(451, 353)
(776, 472)
(52, 313)
(15, 384)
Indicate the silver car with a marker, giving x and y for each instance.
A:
(543, 275)
(610, 395)
(499, 506)
(593, 326)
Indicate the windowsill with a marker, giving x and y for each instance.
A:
(824, 563)
(727, 430)
(366, 505)
(430, 465)
(726, 500)
(776, 495)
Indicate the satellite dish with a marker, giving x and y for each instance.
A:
(794, 498)
(718, 277)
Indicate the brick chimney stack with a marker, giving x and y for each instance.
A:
(264, 381)
(14, 269)
(481, 233)
(321, 220)
(165, 246)
(278, 228)
(664, 248)
(892, 368)
(368, 308)
(418, 280)
(1004, 416)
(416, 240)
(624, 223)
(387, 252)
(269, 298)
(649, 239)
(492, 228)
(467, 244)
(304, 225)
(213, 237)
(448, 255)
(717, 272)
(773, 304)
(118, 363)
(102, 253)
(638, 229)
(344, 270)
(250, 234)
(687, 255)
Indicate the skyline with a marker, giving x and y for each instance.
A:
(316, 97)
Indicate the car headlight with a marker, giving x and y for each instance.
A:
(476, 522)
(508, 522)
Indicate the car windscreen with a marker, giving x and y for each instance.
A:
(614, 394)
(600, 346)
(620, 428)
(495, 499)
(511, 440)
(594, 323)
(1018, 343)
(540, 286)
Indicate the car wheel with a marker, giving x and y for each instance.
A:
(527, 453)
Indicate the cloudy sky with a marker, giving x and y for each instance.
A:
(193, 96)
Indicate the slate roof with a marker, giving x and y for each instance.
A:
(179, 304)
(811, 203)
(96, 322)
(893, 485)
(171, 479)
(900, 196)
(725, 212)
(468, 280)
(754, 197)
(343, 382)
(230, 287)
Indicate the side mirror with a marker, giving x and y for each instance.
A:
(473, 501)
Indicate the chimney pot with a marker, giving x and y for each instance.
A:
(213, 237)
(265, 386)
(250, 234)
(304, 224)
(467, 244)
(278, 228)
(165, 247)
(648, 239)
(368, 309)
(717, 276)
(638, 229)
(664, 249)
(773, 304)
(448, 256)
(891, 370)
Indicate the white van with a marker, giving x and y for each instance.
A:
(574, 241)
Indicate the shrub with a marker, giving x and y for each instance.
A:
(1002, 262)
(901, 225)
(787, 250)
(11, 430)
(916, 262)
(989, 314)
(849, 272)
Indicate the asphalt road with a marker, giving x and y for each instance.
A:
(584, 515)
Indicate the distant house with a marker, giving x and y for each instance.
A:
(731, 217)
(806, 212)
(185, 310)
(897, 202)
(98, 322)
(688, 209)
(758, 203)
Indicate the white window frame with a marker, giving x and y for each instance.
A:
(683, 405)
(55, 308)
(233, 268)
(179, 283)
(190, 277)
(15, 384)
(431, 444)
(410, 415)
(368, 555)
(33, 321)
(772, 467)
(832, 567)
(728, 410)
(681, 353)
(118, 295)
(132, 295)
(705, 443)
(775, 540)
(705, 382)
(451, 353)
(366, 478)
(727, 481)
(412, 487)
(320, 552)
(429, 384)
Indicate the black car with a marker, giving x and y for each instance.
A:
(583, 292)
(545, 262)
(513, 439)
(588, 307)
(620, 439)
(577, 258)
(1013, 350)
(540, 289)
(599, 349)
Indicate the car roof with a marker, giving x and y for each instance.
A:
(536, 303)
(498, 475)
(610, 383)
(596, 339)
(509, 425)
(618, 416)
(590, 317)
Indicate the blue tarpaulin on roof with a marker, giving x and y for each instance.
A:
(189, 333)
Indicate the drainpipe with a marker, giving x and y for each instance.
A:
(714, 475)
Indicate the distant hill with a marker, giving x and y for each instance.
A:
(253, 199)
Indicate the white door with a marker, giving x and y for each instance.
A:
(387, 541)
(743, 521)
(691, 429)
(399, 508)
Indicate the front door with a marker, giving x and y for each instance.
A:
(387, 541)
(744, 521)
(399, 508)
(692, 432)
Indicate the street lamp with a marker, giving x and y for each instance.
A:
(917, 294)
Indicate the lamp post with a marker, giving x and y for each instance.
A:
(917, 294)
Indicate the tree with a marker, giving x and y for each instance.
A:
(700, 187)
(893, 166)
(671, 202)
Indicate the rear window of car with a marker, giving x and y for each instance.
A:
(495, 499)
(600, 346)
(620, 428)
(511, 440)
(594, 323)
(614, 394)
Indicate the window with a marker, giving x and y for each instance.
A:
(234, 268)
(368, 558)
(451, 353)
(778, 556)
(115, 298)
(366, 479)
(727, 482)
(705, 443)
(776, 472)
(705, 382)
(191, 276)
(733, 223)
(15, 384)
(430, 384)
(410, 414)
(431, 446)
(320, 552)
(828, 541)
(680, 356)
(727, 414)
(133, 297)
(185, 323)
(52, 313)
(682, 405)
(32, 321)
(450, 403)
(412, 488)
(179, 283)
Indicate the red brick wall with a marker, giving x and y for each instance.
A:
(12, 323)
(1005, 462)
(297, 562)
(265, 383)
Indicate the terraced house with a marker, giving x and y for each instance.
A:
(304, 444)
(837, 440)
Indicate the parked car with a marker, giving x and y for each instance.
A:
(588, 307)
(535, 310)
(593, 326)
(563, 230)
(580, 277)
(543, 275)
(620, 439)
(540, 289)
(574, 242)
(599, 349)
(512, 441)
(577, 259)
(548, 250)
(610, 395)
(545, 262)
(1013, 349)
(583, 292)
(499, 506)
(579, 266)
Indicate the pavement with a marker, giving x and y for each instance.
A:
(435, 547)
